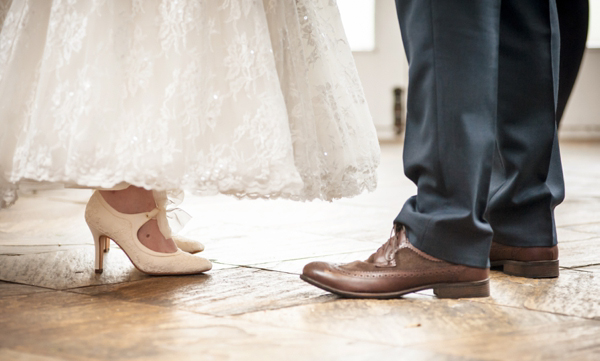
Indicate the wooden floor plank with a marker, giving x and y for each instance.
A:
(225, 292)
(14, 355)
(579, 253)
(296, 266)
(594, 268)
(573, 293)
(67, 269)
(575, 340)
(248, 313)
(278, 245)
(574, 233)
(81, 327)
(588, 228)
(8, 289)
(406, 322)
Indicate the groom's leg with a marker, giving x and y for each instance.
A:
(527, 180)
(452, 49)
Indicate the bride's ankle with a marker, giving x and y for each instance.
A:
(138, 200)
(130, 200)
(151, 237)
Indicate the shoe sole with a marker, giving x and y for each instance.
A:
(532, 269)
(441, 290)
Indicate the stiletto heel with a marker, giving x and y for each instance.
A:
(106, 223)
(100, 247)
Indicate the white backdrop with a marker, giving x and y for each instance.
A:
(594, 32)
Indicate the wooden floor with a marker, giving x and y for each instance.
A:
(253, 306)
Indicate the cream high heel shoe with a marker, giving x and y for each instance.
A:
(106, 223)
(183, 243)
(187, 245)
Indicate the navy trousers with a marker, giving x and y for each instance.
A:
(573, 18)
(481, 142)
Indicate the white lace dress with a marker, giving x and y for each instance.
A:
(255, 98)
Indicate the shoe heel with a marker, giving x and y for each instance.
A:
(463, 289)
(100, 245)
(106, 223)
(536, 269)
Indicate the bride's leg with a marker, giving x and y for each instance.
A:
(137, 200)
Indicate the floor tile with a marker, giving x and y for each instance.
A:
(579, 253)
(590, 228)
(72, 268)
(574, 233)
(577, 211)
(67, 269)
(595, 268)
(42, 224)
(269, 213)
(296, 266)
(573, 293)
(375, 228)
(271, 245)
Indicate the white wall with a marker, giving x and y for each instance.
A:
(384, 69)
(582, 115)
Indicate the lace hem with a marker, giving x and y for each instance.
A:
(8, 194)
(355, 182)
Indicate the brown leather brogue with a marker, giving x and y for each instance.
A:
(398, 268)
(530, 262)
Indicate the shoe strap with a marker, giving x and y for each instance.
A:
(139, 219)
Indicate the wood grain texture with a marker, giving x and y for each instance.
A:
(45, 222)
(280, 244)
(579, 253)
(14, 355)
(407, 322)
(226, 292)
(595, 268)
(576, 340)
(73, 268)
(572, 293)
(578, 209)
(248, 313)
(296, 266)
(14, 289)
(81, 327)
(574, 233)
(589, 228)
(67, 269)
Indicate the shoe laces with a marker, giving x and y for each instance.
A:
(385, 255)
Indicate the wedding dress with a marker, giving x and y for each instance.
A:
(254, 98)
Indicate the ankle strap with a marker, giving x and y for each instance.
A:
(152, 213)
(139, 219)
